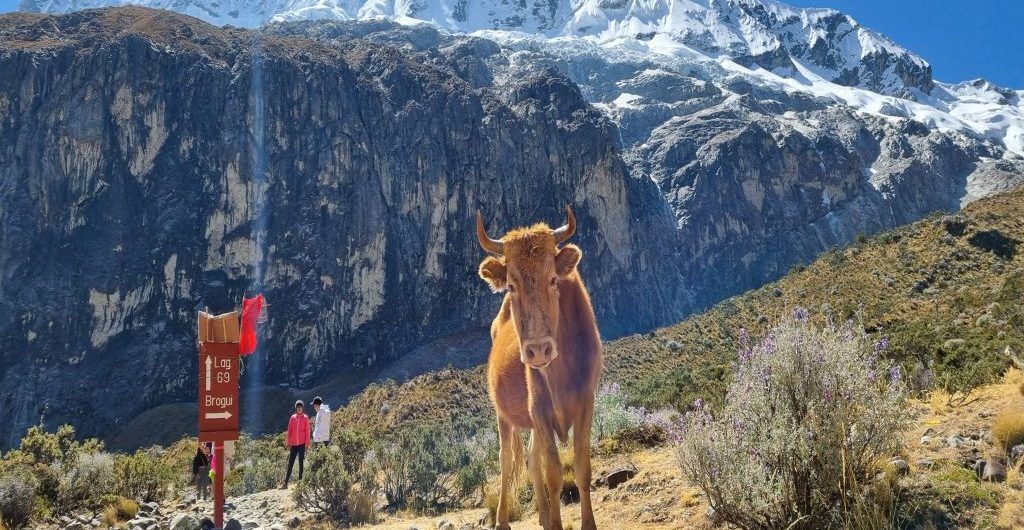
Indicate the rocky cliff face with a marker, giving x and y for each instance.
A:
(153, 165)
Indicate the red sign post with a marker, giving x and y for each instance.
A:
(218, 402)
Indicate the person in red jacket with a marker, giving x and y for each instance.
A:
(298, 441)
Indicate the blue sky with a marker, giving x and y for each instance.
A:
(962, 39)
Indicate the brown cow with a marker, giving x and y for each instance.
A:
(545, 362)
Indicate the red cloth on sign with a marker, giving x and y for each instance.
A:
(251, 308)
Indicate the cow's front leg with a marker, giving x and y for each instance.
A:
(534, 462)
(581, 447)
(552, 477)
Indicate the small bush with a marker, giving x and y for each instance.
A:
(806, 416)
(324, 488)
(1008, 428)
(613, 414)
(521, 498)
(139, 476)
(353, 445)
(260, 466)
(17, 498)
(85, 483)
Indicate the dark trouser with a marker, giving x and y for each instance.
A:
(203, 483)
(300, 451)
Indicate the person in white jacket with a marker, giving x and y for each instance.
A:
(322, 423)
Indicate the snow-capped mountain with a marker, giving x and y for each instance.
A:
(819, 52)
(761, 32)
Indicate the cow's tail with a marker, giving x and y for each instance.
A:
(518, 460)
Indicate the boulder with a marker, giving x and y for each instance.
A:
(232, 524)
(184, 521)
(994, 471)
(900, 466)
(619, 476)
(294, 522)
(1016, 454)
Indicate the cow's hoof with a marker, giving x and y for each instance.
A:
(502, 527)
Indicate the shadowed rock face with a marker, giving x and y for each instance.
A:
(134, 142)
(153, 165)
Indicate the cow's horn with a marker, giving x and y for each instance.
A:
(567, 230)
(494, 246)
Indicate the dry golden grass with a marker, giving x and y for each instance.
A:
(127, 509)
(1008, 427)
(516, 509)
(109, 518)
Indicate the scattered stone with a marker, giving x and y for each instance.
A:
(277, 526)
(83, 519)
(994, 471)
(890, 282)
(614, 478)
(294, 522)
(926, 440)
(928, 432)
(264, 504)
(385, 408)
(1016, 454)
(184, 521)
(900, 466)
(75, 525)
(445, 525)
(153, 526)
(919, 286)
(925, 463)
(777, 292)
(955, 441)
(138, 528)
(144, 522)
(249, 525)
(232, 524)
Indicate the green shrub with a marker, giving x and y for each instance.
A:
(17, 497)
(805, 418)
(324, 488)
(140, 477)
(434, 467)
(85, 482)
(353, 446)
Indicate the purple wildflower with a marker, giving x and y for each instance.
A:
(744, 336)
(872, 376)
(894, 374)
(800, 314)
(698, 404)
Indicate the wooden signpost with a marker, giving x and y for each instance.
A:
(219, 362)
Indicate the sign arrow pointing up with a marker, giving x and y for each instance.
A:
(218, 415)
(209, 371)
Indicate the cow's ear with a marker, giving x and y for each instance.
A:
(567, 259)
(493, 271)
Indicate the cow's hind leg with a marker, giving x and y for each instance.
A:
(535, 463)
(581, 448)
(507, 457)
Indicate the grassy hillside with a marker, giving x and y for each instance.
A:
(945, 291)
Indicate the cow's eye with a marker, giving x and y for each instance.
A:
(511, 288)
(554, 280)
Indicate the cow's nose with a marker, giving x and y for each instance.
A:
(539, 353)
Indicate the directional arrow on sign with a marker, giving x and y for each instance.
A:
(218, 415)
(209, 369)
